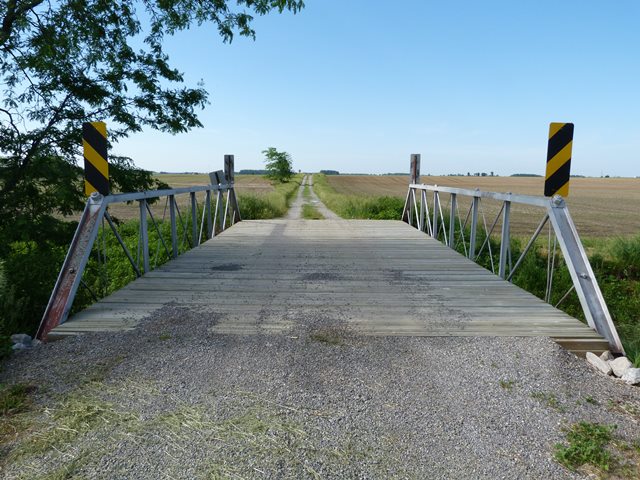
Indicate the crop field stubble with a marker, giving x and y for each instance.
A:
(600, 207)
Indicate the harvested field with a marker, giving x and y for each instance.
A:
(601, 207)
(252, 184)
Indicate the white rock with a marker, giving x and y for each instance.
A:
(632, 376)
(19, 346)
(619, 365)
(598, 363)
(21, 338)
(606, 356)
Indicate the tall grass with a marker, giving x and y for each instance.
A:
(269, 205)
(357, 206)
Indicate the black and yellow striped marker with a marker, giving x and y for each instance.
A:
(96, 168)
(558, 172)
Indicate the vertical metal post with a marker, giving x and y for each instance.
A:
(452, 219)
(474, 227)
(229, 162)
(436, 209)
(423, 210)
(412, 201)
(220, 207)
(506, 238)
(194, 219)
(236, 208)
(174, 227)
(415, 168)
(207, 206)
(216, 215)
(144, 235)
(228, 169)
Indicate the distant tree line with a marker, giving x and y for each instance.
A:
(330, 172)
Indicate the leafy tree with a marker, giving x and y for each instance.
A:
(70, 61)
(278, 164)
(65, 62)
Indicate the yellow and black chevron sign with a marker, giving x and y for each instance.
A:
(558, 159)
(96, 168)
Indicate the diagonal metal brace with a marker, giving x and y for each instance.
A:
(593, 304)
(74, 263)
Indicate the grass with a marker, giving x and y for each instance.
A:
(15, 399)
(507, 384)
(73, 417)
(586, 444)
(548, 399)
(310, 212)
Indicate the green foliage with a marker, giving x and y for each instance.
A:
(278, 164)
(356, 206)
(587, 444)
(30, 269)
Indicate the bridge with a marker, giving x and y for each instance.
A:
(379, 278)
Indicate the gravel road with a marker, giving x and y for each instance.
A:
(172, 400)
(295, 209)
(175, 399)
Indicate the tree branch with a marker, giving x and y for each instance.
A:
(11, 184)
(14, 11)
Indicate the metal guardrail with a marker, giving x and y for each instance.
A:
(431, 220)
(217, 216)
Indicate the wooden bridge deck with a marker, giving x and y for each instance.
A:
(374, 277)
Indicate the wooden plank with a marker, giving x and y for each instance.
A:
(376, 277)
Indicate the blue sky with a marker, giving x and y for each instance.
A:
(357, 86)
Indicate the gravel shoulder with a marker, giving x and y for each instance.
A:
(174, 400)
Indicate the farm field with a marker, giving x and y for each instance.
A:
(600, 207)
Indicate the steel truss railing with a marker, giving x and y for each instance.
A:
(423, 209)
(220, 210)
